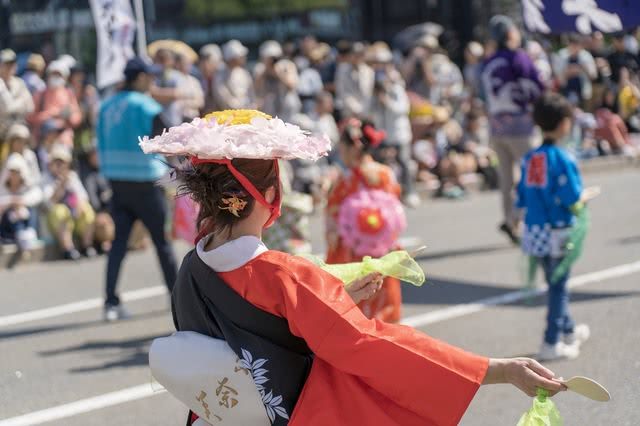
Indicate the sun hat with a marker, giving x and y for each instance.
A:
(379, 52)
(222, 136)
(18, 131)
(270, 49)
(17, 163)
(58, 67)
(211, 52)
(7, 56)
(233, 49)
(60, 152)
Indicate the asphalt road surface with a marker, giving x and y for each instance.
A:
(61, 365)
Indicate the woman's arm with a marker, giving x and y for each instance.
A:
(32, 197)
(320, 311)
(396, 361)
(40, 115)
(75, 113)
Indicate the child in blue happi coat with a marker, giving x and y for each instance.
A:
(550, 190)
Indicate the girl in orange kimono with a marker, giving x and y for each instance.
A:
(357, 139)
(314, 357)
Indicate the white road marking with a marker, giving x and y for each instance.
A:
(83, 406)
(515, 296)
(148, 390)
(413, 321)
(88, 304)
(83, 305)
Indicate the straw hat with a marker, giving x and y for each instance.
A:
(36, 62)
(319, 52)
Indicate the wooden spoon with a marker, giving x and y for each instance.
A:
(587, 387)
(418, 251)
(590, 193)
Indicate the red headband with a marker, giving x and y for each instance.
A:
(248, 186)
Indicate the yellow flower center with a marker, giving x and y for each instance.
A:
(236, 116)
(373, 220)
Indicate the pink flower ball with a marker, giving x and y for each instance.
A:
(370, 222)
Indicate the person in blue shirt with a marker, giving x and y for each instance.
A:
(123, 118)
(549, 191)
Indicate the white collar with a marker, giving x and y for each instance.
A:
(231, 255)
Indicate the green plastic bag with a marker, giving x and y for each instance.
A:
(397, 264)
(543, 412)
(575, 244)
(528, 270)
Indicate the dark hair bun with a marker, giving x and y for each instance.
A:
(212, 186)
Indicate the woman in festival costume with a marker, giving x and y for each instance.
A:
(314, 357)
(363, 173)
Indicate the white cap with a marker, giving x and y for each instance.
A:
(234, 49)
(270, 49)
(7, 55)
(211, 51)
(19, 131)
(379, 53)
(59, 67)
(475, 49)
(60, 152)
(16, 162)
(429, 41)
(67, 60)
(534, 49)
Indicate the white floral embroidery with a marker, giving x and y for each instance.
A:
(590, 16)
(562, 180)
(532, 11)
(271, 403)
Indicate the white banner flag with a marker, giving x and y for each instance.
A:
(115, 30)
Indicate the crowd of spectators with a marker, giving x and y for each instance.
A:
(432, 110)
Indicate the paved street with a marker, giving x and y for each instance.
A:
(61, 357)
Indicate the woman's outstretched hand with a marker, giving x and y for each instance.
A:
(365, 287)
(524, 373)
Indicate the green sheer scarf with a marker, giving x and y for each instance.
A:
(397, 264)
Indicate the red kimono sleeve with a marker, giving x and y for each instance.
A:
(435, 380)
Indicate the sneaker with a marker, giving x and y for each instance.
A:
(115, 313)
(72, 254)
(581, 334)
(454, 193)
(560, 350)
(90, 252)
(25, 255)
(508, 230)
(411, 200)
